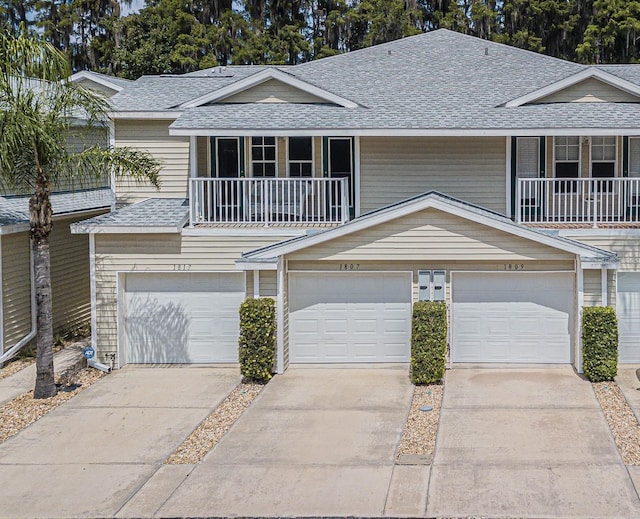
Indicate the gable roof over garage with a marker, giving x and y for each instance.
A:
(464, 225)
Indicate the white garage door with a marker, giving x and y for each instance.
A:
(183, 317)
(512, 317)
(349, 317)
(628, 310)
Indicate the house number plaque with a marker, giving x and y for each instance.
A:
(349, 266)
(514, 266)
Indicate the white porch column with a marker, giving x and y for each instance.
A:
(578, 319)
(280, 318)
(604, 287)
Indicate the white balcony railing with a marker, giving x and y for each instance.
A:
(264, 201)
(582, 200)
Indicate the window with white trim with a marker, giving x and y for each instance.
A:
(300, 156)
(263, 157)
(528, 157)
(603, 157)
(566, 157)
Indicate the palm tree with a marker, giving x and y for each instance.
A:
(38, 109)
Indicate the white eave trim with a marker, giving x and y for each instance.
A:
(430, 201)
(400, 132)
(261, 77)
(163, 115)
(590, 263)
(124, 229)
(90, 76)
(257, 265)
(14, 228)
(588, 73)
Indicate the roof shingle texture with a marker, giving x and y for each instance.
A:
(154, 212)
(437, 80)
(14, 210)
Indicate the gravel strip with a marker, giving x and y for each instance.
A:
(14, 366)
(622, 421)
(419, 437)
(24, 410)
(215, 426)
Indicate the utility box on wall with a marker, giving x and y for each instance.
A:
(432, 285)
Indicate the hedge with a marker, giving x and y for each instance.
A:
(257, 342)
(428, 342)
(599, 343)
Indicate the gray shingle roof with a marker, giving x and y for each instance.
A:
(14, 210)
(437, 80)
(152, 215)
(166, 92)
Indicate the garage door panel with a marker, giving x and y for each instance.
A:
(182, 318)
(628, 310)
(520, 317)
(358, 317)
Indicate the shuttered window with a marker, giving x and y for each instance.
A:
(528, 157)
(634, 157)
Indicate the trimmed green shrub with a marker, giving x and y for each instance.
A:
(599, 343)
(257, 339)
(428, 342)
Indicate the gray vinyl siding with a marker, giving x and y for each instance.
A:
(592, 288)
(70, 288)
(248, 283)
(590, 90)
(268, 283)
(16, 288)
(626, 247)
(160, 253)
(273, 91)
(430, 234)
(395, 168)
(97, 88)
(172, 152)
(78, 139)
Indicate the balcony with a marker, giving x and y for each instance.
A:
(580, 202)
(269, 201)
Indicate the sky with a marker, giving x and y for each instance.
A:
(136, 5)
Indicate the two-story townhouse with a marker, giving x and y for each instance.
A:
(69, 253)
(437, 167)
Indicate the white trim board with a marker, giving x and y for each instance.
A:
(399, 132)
(99, 79)
(588, 73)
(263, 76)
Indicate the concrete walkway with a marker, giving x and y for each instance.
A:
(24, 380)
(526, 443)
(88, 457)
(316, 442)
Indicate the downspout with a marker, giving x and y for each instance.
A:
(5, 356)
(94, 363)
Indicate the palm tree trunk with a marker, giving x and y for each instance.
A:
(40, 228)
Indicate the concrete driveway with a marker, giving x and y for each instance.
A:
(526, 443)
(316, 442)
(88, 457)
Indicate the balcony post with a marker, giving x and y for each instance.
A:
(519, 200)
(345, 200)
(596, 194)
